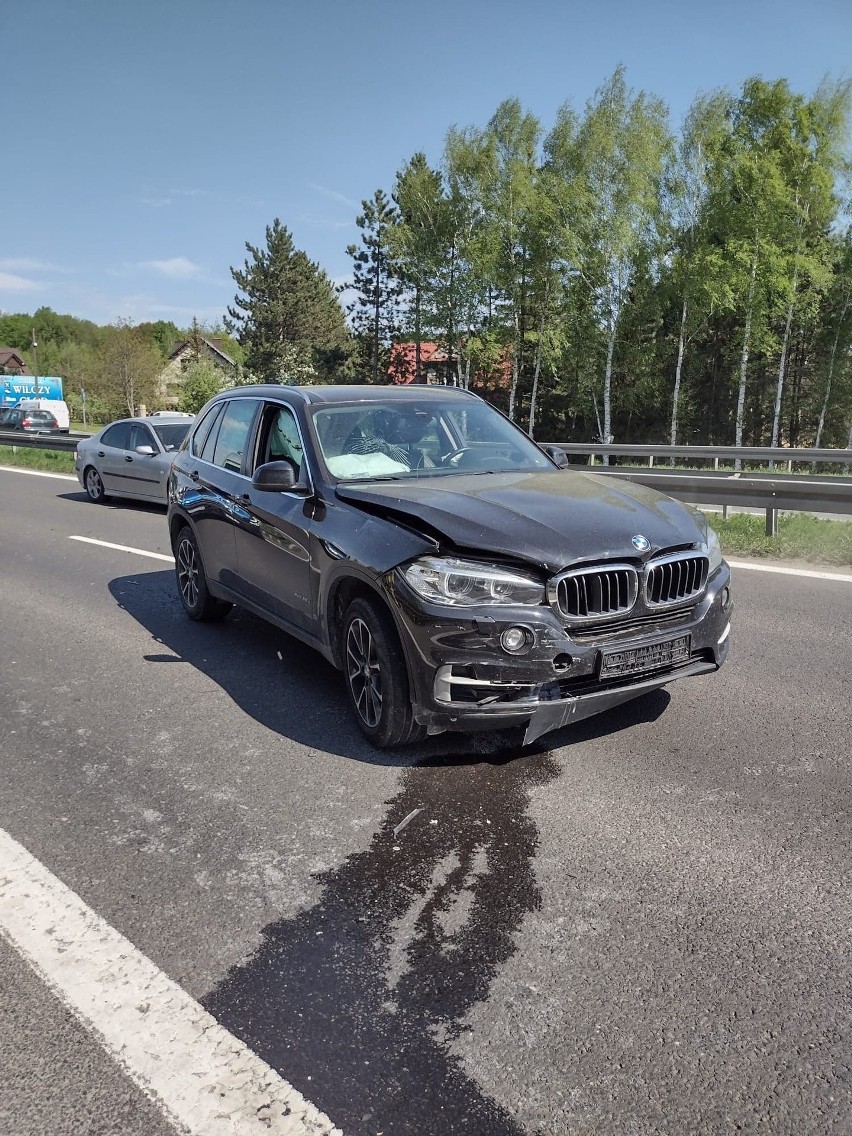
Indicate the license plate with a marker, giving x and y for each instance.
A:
(653, 657)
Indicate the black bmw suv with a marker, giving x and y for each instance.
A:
(456, 572)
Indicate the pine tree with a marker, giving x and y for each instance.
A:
(287, 309)
(377, 287)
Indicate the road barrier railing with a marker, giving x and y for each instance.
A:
(65, 442)
(759, 490)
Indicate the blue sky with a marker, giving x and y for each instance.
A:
(144, 143)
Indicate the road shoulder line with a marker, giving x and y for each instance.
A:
(203, 1078)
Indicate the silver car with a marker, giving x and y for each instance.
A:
(131, 458)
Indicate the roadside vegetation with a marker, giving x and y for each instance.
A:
(812, 540)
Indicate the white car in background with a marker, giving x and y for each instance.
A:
(131, 457)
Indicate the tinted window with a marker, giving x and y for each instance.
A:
(203, 431)
(117, 435)
(233, 434)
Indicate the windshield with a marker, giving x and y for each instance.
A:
(397, 439)
(171, 434)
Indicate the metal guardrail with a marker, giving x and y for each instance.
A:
(780, 454)
(768, 491)
(66, 442)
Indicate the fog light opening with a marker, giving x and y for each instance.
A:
(513, 639)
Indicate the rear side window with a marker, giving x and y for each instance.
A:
(204, 431)
(118, 436)
(234, 433)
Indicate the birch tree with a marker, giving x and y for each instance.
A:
(621, 144)
(499, 168)
(695, 269)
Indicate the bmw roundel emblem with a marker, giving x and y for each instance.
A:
(641, 543)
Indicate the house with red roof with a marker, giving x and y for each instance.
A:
(435, 367)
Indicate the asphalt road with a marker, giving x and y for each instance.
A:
(640, 926)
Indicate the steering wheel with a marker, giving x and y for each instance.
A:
(454, 457)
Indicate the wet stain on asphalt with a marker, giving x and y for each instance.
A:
(355, 1000)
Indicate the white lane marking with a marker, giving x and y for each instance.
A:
(38, 472)
(811, 573)
(205, 1080)
(124, 548)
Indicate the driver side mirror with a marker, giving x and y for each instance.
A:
(276, 477)
(145, 451)
(557, 455)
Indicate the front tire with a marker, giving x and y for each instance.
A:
(376, 677)
(192, 582)
(94, 485)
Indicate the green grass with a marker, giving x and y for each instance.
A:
(800, 537)
(52, 461)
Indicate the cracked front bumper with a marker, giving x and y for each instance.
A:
(462, 678)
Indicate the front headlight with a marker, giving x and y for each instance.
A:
(464, 583)
(714, 551)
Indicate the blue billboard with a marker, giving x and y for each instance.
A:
(15, 387)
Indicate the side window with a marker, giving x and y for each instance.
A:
(203, 432)
(234, 433)
(280, 438)
(118, 436)
(140, 436)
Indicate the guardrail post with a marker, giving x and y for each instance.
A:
(772, 522)
(651, 462)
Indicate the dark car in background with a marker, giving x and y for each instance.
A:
(29, 421)
(456, 573)
(130, 458)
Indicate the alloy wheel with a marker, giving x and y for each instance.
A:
(187, 566)
(364, 673)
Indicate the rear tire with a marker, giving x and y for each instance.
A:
(376, 677)
(192, 581)
(94, 485)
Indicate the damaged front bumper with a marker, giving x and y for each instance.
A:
(463, 678)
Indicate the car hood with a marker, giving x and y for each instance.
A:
(552, 519)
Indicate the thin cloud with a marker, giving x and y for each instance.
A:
(11, 282)
(333, 195)
(27, 264)
(176, 268)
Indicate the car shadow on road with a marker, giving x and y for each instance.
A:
(155, 508)
(293, 691)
